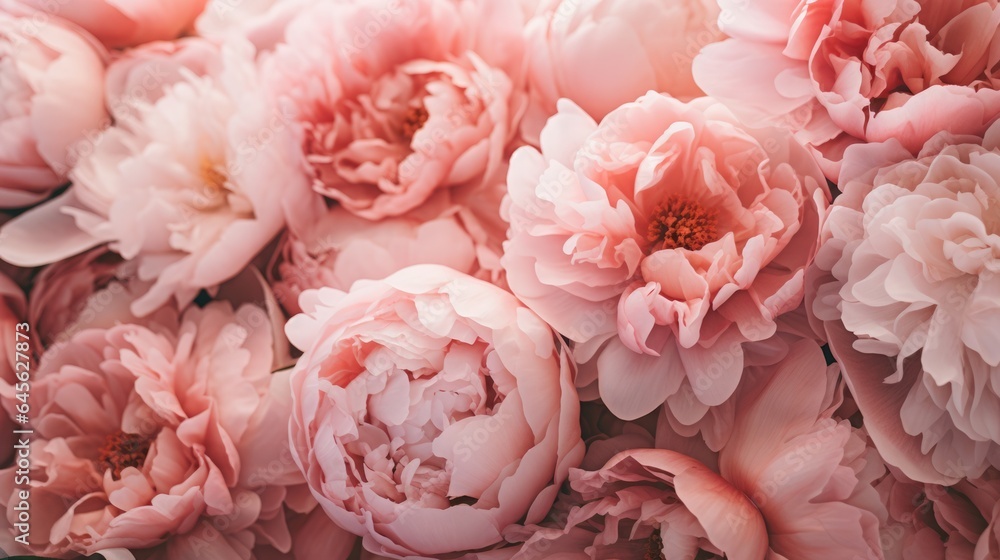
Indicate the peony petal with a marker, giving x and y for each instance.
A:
(633, 385)
(45, 234)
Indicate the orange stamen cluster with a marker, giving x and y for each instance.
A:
(415, 118)
(682, 224)
(122, 450)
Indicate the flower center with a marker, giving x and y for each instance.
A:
(654, 547)
(214, 179)
(415, 118)
(682, 224)
(212, 193)
(122, 450)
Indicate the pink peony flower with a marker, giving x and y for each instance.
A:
(263, 22)
(906, 284)
(343, 248)
(139, 77)
(432, 410)
(119, 23)
(930, 522)
(659, 241)
(841, 72)
(604, 53)
(53, 102)
(90, 290)
(396, 101)
(159, 440)
(791, 483)
(909, 530)
(185, 189)
(96, 289)
(972, 532)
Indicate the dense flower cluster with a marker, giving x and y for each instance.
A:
(500, 279)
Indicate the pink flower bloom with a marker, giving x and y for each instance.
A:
(263, 22)
(397, 101)
(842, 71)
(343, 248)
(52, 102)
(659, 241)
(604, 53)
(90, 290)
(120, 23)
(909, 530)
(432, 410)
(96, 289)
(930, 522)
(790, 483)
(973, 532)
(139, 77)
(906, 283)
(181, 189)
(160, 438)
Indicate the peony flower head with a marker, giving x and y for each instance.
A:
(432, 410)
(181, 189)
(660, 240)
(396, 101)
(604, 53)
(840, 72)
(263, 22)
(125, 24)
(792, 482)
(160, 440)
(343, 248)
(92, 289)
(53, 102)
(906, 285)
(929, 521)
(139, 77)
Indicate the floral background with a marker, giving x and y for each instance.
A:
(500, 279)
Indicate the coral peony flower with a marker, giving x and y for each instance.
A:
(791, 483)
(909, 530)
(667, 233)
(53, 103)
(841, 72)
(969, 514)
(343, 248)
(159, 440)
(399, 100)
(118, 23)
(181, 189)
(930, 522)
(432, 410)
(604, 53)
(906, 283)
